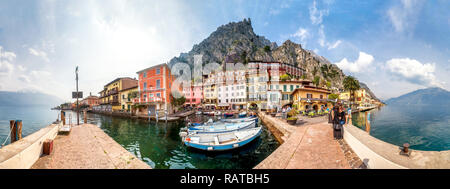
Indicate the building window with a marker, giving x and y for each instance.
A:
(292, 87)
(158, 70)
(309, 95)
(145, 74)
(158, 84)
(284, 88)
(158, 95)
(145, 86)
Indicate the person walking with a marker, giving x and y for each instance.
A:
(341, 118)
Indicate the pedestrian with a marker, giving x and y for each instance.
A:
(339, 121)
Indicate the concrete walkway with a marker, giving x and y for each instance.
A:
(308, 147)
(88, 147)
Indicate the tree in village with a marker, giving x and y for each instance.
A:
(285, 77)
(177, 102)
(351, 84)
(316, 81)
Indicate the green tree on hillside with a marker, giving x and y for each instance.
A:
(316, 81)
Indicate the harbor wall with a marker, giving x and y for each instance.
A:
(23, 153)
(377, 154)
(280, 131)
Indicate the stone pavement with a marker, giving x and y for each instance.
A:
(88, 147)
(308, 147)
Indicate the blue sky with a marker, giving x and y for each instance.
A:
(393, 46)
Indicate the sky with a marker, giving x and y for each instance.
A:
(395, 47)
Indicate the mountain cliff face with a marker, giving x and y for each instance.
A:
(236, 42)
(429, 96)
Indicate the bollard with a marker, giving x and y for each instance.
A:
(85, 117)
(406, 148)
(19, 129)
(12, 127)
(63, 117)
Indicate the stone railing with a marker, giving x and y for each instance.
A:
(377, 154)
(23, 153)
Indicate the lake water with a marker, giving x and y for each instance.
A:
(33, 119)
(157, 144)
(423, 127)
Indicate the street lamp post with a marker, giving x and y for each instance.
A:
(78, 109)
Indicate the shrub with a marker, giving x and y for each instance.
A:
(292, 113)
(292, 118)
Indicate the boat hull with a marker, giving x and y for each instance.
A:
(200, 130)
(223, 147)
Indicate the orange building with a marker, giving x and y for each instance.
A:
(154, 89)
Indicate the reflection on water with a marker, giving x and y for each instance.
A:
(159, 145)
(423, 127)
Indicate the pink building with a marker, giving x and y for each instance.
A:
(193, 95)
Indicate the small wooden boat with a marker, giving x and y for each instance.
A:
(220, 127)
(221, 141)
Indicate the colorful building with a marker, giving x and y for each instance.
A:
(193, 94)
(128, 97)
(90, 101)
(210, 91)
(232, 89)
(309, 98)
(109, 96)
(155, 89)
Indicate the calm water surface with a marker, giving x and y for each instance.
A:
(423, 127)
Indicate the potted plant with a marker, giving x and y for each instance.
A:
(292, 117)
(274, 113)
(292, 120)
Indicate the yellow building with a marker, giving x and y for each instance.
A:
(109, 96)
(361, 97)
(126, 99)
(311, 98)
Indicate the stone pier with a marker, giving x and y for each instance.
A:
(88, 147)
(307, 146)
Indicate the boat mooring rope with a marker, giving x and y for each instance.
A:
(3, 144)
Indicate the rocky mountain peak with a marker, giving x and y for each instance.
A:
(237, 42)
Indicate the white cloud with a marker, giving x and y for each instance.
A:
(323, 42)
(403, 16)
(334, 45)
(413, 71)
(315, 14)
(24, 78)
(363, 61)
(21, 68)
(301, 34)
(6, 57)
(39, 53)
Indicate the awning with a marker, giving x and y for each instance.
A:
(223, 104)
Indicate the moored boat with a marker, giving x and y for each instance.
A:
(228, 114)
(220, 127)
(221, 141)
(236, 120)
(242, 114)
